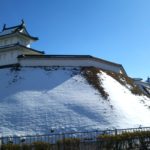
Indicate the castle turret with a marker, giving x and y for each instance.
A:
(15, 41)
(16, 34)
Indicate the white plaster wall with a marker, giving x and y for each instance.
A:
(8, 41)
(66, 62)
(24, 42)
(14, 40)
(9, 57)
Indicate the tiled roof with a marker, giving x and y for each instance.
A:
(72, 57)
(55, 56)
(68, 57)
(19, 45)
(16, 29)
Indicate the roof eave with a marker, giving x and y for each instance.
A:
(18, 45)
(18, 33)
(75, 56)
(28, 36)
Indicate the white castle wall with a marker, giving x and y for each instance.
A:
(68, 62)
(14, 40)
(7, 58)
(8, 41)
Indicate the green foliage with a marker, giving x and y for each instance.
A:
(127, 140)
(10, 147)
(41, 146)
(90, 74)
(123, 141)
(33, 146)
(69, 143)
(26, 147)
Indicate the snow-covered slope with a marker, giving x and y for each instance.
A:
(38, 100)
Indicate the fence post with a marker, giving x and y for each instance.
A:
(0, 142)
(63, 141)
(116, 143)
(116, 132)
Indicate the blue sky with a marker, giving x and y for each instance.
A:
(115, 30)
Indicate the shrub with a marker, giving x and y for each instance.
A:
(10, 147)
(26, 147)
(33, 146)
(41, 146)
(128, 140)
(90, 74)
(69, 143)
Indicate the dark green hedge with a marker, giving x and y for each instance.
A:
(69, 144)
(126, 140)
(33, 146)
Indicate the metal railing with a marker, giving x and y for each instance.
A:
(90, 136)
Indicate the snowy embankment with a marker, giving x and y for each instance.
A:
(38, 101)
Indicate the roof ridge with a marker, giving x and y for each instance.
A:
(7, 28)
(12, 27)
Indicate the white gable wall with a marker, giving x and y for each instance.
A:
(31, 62)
